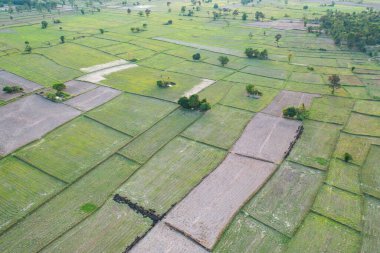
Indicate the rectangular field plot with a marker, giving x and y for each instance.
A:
(22, 188)
(93, 98)
(220, 127)
(73, 149)
(286, 199)
(240, 77)
(237, 97)
(289, 98)
(94, 42)
(316, 144)
(267, 72)
(215, 92)
(144, 146)
(75, 87)
(132, 114)
(331, 109)
(344, 176)
(28, 119)
(370, 176)
(164, 239)
(318, 234)
(267, 137)
(306, 78)
(350, 80)
(363, 125)
(161, 61)
(171, 174)
(9, 79)
(235, 180)
(120, 48)
(358, 92)
(142, 80)
(111, 229)
(367, 107)
(371, 226)
(201, 70)
(247, 235)
(340, 206)
(68, 208)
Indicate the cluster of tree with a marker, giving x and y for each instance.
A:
(252, 92)
(12, 89)
(298, 113)
(255, 53)
(357, 30)
(59, 95)
(194, 103)
(165, 83)
(138, 29)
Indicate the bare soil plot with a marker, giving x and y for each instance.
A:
(220, 126)
(371, 226)
(9, 79)
(73, 149)
(282, 24)
(93, 98)
(344, 176)
(171, 174)
(22, 188)
(287, 198)
(99, 75)
(164, 239)
(104, 66)
(368, 107)
(197, 88)
(339, 205)
(132, 114)
(110, 229)
(75, 87)
(319, 234)
(203, 214)
(29, 119)
(267, 137)
(65, 210)
(288, 98)
(316, 144)
(247, 235)
(363, 125)
(370, 176)
(331, 109)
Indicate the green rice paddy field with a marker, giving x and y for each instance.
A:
(56, 193)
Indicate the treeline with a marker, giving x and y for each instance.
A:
(357, 30)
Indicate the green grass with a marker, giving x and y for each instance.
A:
(22, 189)
(316, 144)
(247, 235)
(371, 172)
(286, 199)
(255, 80)
(318, 234)
(306, 78)
(371, 226)
(120, 48)
(132, 114)
(357, 92)
(88, 208)
(95, 42)
(63, 211)
(344, 176)
(216, 92)
(143, 147)
(161, 61)
(171, 174)
(111, 229)
(340, 206)
(221, 126)
(363, 125)
(331, 109)
(367, 107)
(267, 72)
(73, 149)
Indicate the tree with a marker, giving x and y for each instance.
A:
(347, 157)
(223, 60)
(82, 11)
(183, 9)
(250, 88)
(244, 16)
(235, 13)
(12, 89)
(129, 11)
(101, 30)
(290, 56)
(28, 48)
(184, 102)
(334, 83)
(216, 6)
(250, 35)
(249, 52)
(196, 56)
(204, 106)
(44, 24)
(277, 38)
(194, 101)
(62, 39)
(259, 15)
(147, 12)
(59, 86)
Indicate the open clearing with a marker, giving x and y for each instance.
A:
(29, 119)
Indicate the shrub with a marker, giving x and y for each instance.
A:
(196, 56)
(194, 103)
(12, 89)
(290, 112)
(44, 24)
(311, 68)
(205, 106)
(254, 53)
(223, 60)
(250, 88)
(184, 102)
(347, 157)
(299, 113)
(59, 86)
(165, 83)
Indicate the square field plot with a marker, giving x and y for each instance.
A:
(286, 99)
(9, 79)
(340, 206)
(371, 172)
(240, 77)
(67, 209)
(75, 87)
(22, 188)
(165, 239)
(201, 70)
(371, 226)
(73, 149)
(111, 229)
(368, 107)
(237, 97)
(142, 80)
(220, 126)
(344, 176)
(267, 137)
(29, 119)
(363, 125)
(171, 174)
(132, 114)
(316, 144)
(235, 180)
(247, 235)
(331, 109)
(287, 198)
(93, 98)
(318, 234)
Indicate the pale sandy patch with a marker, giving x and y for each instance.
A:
(197, 88)
(103, 66)
(99, 75)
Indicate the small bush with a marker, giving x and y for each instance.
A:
(299, 113)
(12, 89)
(165, 83)
(59, 86)
(194, 103)
(196, 56)
(44, 24)
(250, 88)
(88, 208)
(311, 68)
(347, 157)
